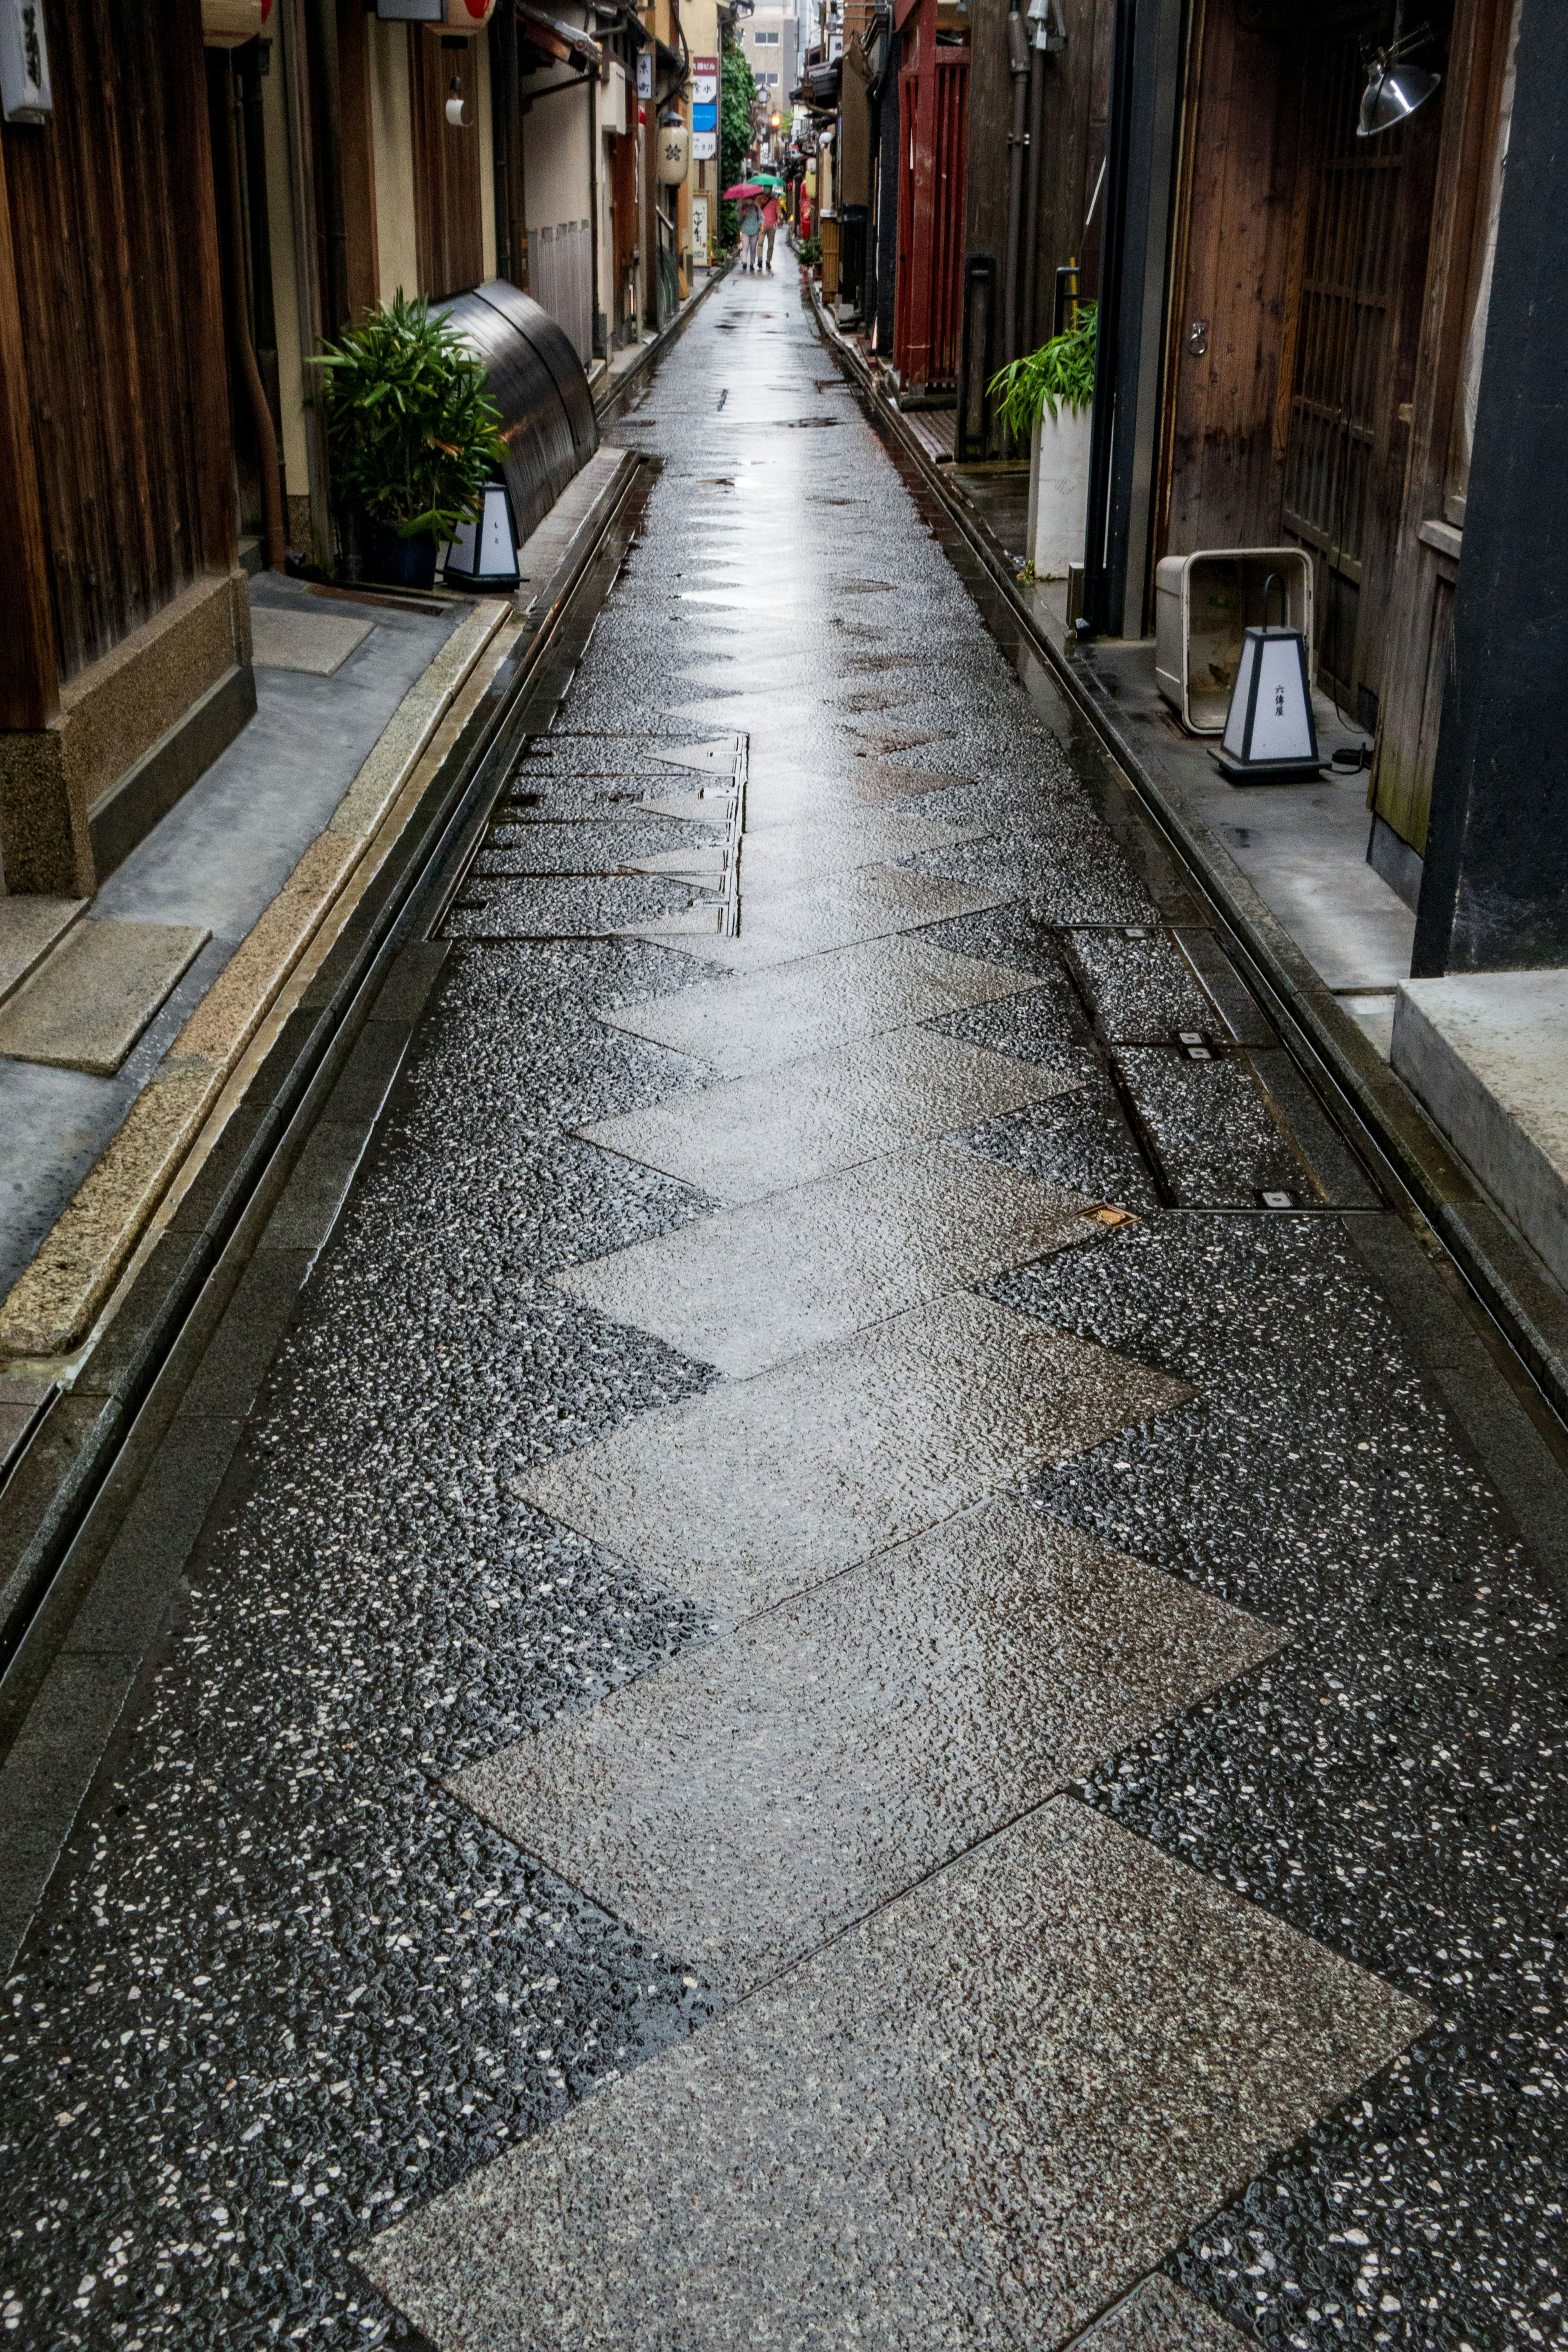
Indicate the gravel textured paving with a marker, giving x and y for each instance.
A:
(286, 1987)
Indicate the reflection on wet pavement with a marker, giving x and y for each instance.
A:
(765, 1791)
(750, 1287)
(761, 1486)
(744, 1504)
(921, 2136)
(979, 2117)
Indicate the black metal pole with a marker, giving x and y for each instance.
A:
(1494, 886)
(1095, 618)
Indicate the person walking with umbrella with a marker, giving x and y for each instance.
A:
(770, 226)
(751, 224)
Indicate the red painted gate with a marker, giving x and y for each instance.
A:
(934, 121)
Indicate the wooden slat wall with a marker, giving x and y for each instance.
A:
(1076, 85)
(1243, 134)
(447, 192)
(112, 227)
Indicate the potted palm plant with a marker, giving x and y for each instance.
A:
(1049, 395)
(411, 438)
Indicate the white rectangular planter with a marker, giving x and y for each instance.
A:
(1059, 491)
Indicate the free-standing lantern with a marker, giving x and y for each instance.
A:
(484, 552)
(1270, 735)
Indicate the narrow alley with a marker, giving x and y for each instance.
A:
(861, 1679)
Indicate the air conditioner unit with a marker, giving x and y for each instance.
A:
(1203, 604)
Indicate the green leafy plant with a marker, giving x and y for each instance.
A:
(411, 438)
(1061, 374)
(737, 88)
(810, 251)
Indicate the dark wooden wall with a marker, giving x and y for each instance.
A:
(1066, 135)
(121, 310)
(358, 157)
(447, 192)
(1240, 140)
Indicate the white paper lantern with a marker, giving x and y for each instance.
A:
(674, 152)
(484, 553)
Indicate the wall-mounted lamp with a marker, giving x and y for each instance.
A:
(1395, 86)
(455, 119)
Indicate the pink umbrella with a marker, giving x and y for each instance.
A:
(741, 189)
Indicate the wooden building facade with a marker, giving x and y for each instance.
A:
(120, 605)
(1311, 306)
(217, 188)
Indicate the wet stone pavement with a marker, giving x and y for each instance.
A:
(885, 1665)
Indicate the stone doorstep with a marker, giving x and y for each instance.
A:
(29, 927)
(1486, 1054)
(88, 1002)
(52, 1306)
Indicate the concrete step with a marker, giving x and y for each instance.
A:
(1485, 1052)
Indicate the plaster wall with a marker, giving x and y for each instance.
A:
(555, 153)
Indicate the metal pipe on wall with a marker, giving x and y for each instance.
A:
(1095, 618)
(1036, 139)
(1018, 65)
(273, 525)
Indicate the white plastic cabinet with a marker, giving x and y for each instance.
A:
(1203, 602)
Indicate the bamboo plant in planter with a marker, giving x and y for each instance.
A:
(410, 438)
(1049, 394)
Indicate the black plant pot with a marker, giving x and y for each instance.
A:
(400, 562)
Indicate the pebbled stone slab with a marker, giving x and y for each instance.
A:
(749, 1286)
(1140, 986)
(88, 1001)
(316, 642)
(971, 2122)
(762, 1488)
(757, 1135)
(761, 1793)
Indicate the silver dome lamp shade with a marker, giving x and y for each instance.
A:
(1396, 87)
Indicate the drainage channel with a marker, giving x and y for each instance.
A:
(103, 1505)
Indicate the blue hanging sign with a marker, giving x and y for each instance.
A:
(705, 118)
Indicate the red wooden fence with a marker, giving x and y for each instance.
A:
(933, 116)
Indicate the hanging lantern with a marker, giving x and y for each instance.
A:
(484, 553)
(1270, 735)
(674, 151)
(229, 23)
(469, 16)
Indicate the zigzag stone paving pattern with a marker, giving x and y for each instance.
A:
(1149, 1919)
